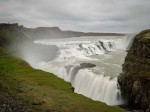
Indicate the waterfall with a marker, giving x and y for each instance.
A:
(97, 87)
(90, 65)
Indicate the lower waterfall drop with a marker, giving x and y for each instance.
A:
(97, 87)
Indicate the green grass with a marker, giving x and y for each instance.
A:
(147, 35)
(44, 91)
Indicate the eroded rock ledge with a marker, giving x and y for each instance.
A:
(135, 79)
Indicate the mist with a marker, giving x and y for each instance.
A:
(34, 53)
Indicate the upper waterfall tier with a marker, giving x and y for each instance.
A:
(84, 47)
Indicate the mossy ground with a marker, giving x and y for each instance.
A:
(42, 91)
(144, 36)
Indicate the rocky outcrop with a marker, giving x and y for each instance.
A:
(11, 34)
(7, 26)
(135, 79)
(87, 65)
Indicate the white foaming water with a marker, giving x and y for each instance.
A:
(97, 82)
(97, 87)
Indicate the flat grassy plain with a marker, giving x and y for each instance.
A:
(39, 91)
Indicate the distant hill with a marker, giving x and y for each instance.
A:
(48, 32)
(56, 32)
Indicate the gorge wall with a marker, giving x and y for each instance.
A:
(135, 79)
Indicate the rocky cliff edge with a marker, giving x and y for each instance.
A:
(135, 79)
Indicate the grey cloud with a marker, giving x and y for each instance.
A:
(81, 15)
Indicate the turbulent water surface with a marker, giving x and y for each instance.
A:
(90, 64)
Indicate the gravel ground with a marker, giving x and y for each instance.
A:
(10, 104)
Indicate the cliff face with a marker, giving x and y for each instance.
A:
(135, 79)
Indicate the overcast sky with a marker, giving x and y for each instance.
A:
(80, 15)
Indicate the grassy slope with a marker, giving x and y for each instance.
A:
(43, 91)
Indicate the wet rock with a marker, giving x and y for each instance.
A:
(87, 65)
